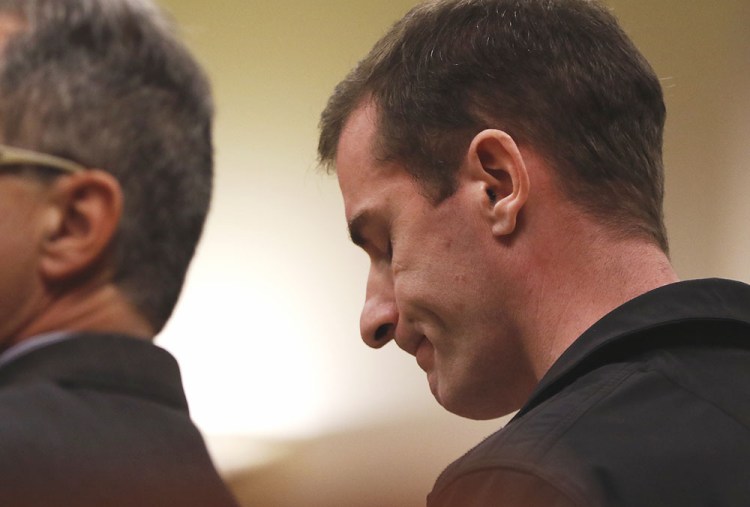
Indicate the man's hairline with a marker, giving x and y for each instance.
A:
(367, 98)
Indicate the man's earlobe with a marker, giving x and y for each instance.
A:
(504, 177)
(84, 215)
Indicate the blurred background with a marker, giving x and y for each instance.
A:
(296, 410)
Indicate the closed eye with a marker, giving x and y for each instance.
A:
(357, 227)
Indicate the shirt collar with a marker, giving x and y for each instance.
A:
(109, 362)
(694, 300)
(32, 343)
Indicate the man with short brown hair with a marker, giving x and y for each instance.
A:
(500, 163)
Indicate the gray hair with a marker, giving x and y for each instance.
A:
(106, 83)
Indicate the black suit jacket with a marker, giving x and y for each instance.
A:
(101, 420)
(650, 407)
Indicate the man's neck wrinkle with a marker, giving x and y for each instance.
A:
(103, 309)
(570, 296)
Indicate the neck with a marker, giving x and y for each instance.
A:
(101, 309)
(574, 286)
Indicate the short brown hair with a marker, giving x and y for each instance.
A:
(559, 75)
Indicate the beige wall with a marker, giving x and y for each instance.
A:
(701, 50)
(266, 332)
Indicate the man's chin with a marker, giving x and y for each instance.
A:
(433, 384)
(443, 398)
(463, 407)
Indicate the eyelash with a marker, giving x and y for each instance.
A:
(373, 250)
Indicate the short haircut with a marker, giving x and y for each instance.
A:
(559, 76)
(106, 83)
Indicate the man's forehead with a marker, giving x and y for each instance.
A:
(355, 161)
(359, 132)
(367, 184)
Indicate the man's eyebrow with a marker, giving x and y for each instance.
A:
(356, 225)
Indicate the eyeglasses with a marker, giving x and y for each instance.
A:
(18, 156)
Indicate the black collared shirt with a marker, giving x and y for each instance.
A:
(100, 420)
(649, 407)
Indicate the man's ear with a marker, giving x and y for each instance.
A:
(83, 217)
(498, 166)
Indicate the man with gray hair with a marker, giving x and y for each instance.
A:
(105, 182)
(500, 163)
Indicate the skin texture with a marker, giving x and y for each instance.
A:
(487, 288)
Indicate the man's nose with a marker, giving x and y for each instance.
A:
(379, 313)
